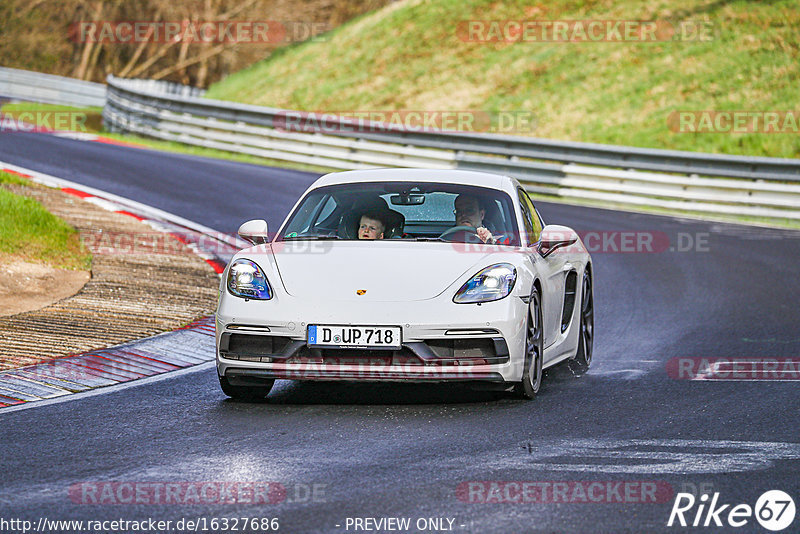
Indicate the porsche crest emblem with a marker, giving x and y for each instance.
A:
(360, 292)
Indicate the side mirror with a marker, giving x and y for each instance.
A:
(254, 231)
(554, 237)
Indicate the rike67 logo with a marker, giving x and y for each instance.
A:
(774, 510)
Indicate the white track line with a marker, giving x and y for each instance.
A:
(108, 389)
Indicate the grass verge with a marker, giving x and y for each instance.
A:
(29, 232)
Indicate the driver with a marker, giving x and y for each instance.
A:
(469, 213)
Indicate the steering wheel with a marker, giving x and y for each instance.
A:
(470, 234)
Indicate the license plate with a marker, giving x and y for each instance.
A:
(349, 337)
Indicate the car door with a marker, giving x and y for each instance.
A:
(552, 270)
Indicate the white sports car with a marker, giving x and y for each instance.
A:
(405, 275)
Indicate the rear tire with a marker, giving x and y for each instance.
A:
(531, 381)
(583, 356)
(248, 393)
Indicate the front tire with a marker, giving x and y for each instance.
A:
(531, 381)
(247, 393)
(583, 356)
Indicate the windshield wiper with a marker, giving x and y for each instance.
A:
(431, 239)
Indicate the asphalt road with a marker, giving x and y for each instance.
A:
(344, 451)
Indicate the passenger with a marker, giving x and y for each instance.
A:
(468, 212)
(372, 225)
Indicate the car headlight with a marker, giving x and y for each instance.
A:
(492, 283)
(247, 280)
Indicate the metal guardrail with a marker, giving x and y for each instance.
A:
(708, 183)
(37, 87)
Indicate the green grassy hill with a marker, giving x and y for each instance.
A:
(410, 56)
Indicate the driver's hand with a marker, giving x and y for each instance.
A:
(485, 234)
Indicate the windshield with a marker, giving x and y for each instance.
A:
(404, 210)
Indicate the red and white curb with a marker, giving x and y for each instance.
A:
(214, 247)
(186, 347)
(190, 238)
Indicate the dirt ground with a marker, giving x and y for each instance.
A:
(26, 286)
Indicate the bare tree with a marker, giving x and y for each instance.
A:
(44, 35)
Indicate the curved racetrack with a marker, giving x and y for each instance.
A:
(405, 450)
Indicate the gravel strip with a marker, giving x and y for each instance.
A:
(142, 283)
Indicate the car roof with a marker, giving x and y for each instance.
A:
(448, 176)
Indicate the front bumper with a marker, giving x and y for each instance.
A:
(242, 375)
(477, 343)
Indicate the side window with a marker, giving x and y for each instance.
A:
(536, 218)
(304, 216)
(527, 218)
(327, 209)
(312, 214)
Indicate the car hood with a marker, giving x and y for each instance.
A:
(385, 270)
